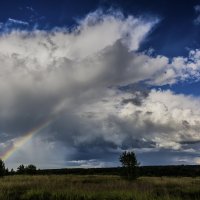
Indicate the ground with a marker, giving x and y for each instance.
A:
(76, 187)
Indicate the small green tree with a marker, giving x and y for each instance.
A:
(2, 168)
(129, 164)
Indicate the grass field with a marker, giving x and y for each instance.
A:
(74, 187)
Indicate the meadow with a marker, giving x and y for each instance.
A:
(96, 187)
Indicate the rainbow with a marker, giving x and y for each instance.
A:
(22, 140)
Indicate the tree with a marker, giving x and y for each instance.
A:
(31, 169)
(6, 171)
(2, 168)
(12, 171)
(21, 169)
(129, 164)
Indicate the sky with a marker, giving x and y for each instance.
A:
(83, 81)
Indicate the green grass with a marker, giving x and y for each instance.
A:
(74, 187)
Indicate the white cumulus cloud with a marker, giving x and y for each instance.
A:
(74, 73)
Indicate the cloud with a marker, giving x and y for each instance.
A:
(11, 24)
(197, 10)
(15, 21)
(30, 8)
(164, 118)
(73, 75)
(197, 160)
(164, 122)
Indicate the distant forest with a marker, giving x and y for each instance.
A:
(171, 170)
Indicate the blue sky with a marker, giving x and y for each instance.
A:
(171, 37)
(111, 76)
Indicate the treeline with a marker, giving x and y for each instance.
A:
(29, 170)
(171, 170)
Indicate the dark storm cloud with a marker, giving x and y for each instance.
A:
(190, 142)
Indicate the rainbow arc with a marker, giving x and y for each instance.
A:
(22, 140)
